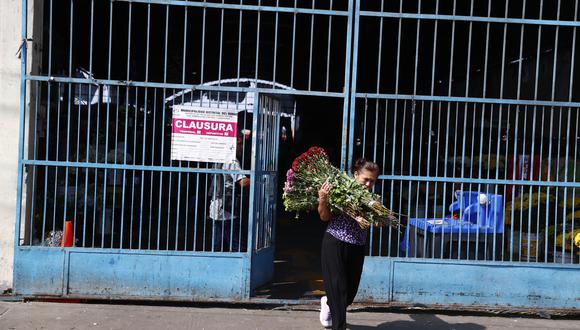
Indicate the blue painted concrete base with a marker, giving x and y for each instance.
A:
(444, 282)
(109, 273)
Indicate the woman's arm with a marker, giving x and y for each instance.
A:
(323, 209)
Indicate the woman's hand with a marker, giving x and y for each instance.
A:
(323, 210)
(323, 192)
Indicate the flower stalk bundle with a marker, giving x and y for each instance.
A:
(311, 169)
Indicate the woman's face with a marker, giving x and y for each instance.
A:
(366, 178)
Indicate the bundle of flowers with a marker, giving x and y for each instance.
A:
(311, 169)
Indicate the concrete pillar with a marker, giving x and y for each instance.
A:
(10, 41)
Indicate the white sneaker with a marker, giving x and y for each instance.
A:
(325, 317)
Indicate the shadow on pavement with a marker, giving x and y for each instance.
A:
(420, 321)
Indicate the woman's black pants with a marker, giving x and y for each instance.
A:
(342, 265)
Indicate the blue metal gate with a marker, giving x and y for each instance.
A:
(468, 106)
(111, 210)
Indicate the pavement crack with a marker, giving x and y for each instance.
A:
(4, 312)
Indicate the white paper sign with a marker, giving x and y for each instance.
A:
(203, 134)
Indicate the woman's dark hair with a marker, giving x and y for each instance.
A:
(363, 164)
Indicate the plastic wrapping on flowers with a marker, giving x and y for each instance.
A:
(311, 169)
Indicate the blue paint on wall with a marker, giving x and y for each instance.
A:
(152, 275)
(38, 271)
(115, 274)
(433, 282)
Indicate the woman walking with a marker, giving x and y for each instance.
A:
(343, 249)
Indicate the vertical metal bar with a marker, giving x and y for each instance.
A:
(144, 143)
(468, 69)
(350, 85)
(89, 108)
(473, 114)
(497, 155)
(417, 39)
(553, 83)
(557, 177)
(115, 161)
(364, 137)
(253, 175)
(56, 170)
(239, 51)
(127, 106)
(449, 106)
(514, 187)
(410, 183)
(468, 76)
(78, 134)
(163, 123)
(196, 213)
(401, 162)
(436, 214)
(86, 170)
(328, 45)
(311, 47)
(376, 130)
(258, 41)
(205, 217)
(294, 44)
(68, 115)
(275, 47)
(220, 56)
(183, 100)
(524, 135)
(186, 225)
(152, 177)
(445, 174)
(170, 184)
(393, 153)
(134, 175)
(202, 65)
(429, 141)
(48, 107)
(397, 67)
(572, 66)
(501, 89)
(493, 185)
(462, 173)
(536, 81)
(34, 170)
(572, 246)
(530, 194)
(23, 63)
(383, 166)
(515, 153)
(564, 200)
(95, 191)
(425, 211)
(103, 219)
(539, 188)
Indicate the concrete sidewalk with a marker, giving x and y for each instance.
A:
(42, 315)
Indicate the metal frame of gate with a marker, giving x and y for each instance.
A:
(146, 240)
(409, 125)
(148, 271)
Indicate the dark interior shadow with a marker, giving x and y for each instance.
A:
(420, 321)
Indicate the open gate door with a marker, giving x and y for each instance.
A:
(266, 123)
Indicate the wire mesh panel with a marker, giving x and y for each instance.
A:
(470, 109)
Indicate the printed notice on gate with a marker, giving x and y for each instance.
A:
(203, 134)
